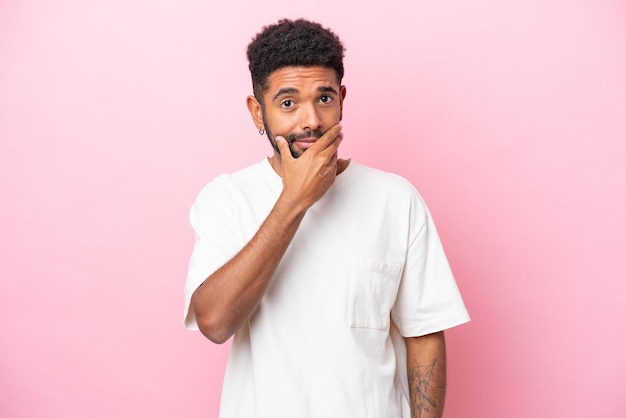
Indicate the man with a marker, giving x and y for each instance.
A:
(330, 275)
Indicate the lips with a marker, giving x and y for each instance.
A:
(305, 143)
(305, 139)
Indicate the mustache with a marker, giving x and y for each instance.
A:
(311, 133)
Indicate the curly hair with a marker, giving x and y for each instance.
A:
(292, 43)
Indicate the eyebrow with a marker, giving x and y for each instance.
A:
(327, 89)
(292, 90)
(285, 90)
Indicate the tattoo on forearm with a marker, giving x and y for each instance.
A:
(419, 381)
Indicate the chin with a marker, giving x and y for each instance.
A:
(295, 153)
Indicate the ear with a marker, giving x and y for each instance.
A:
(256, 111)
(342, 95)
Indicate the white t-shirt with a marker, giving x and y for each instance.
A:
(365, 267)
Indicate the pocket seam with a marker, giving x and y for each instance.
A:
(370, 302)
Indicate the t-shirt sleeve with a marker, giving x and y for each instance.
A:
(428, 298)
(215, 242)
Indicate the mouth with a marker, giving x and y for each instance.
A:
(298, 143)
(305, 142)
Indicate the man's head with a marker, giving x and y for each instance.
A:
(292, 43)
(296, 68)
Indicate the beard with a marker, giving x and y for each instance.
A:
(291, 138)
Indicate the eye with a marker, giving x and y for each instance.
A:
(326, 98)
(287, 104)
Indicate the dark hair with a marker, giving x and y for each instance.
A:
(292, 43)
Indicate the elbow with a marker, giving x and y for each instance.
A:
(215, 322)
(215, 332)
(211, 325)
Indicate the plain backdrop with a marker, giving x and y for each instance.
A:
(509, 117)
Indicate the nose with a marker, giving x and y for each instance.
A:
(309, 118)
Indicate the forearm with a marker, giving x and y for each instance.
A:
(426, 367)
(228, 297)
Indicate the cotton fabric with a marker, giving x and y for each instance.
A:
(365, 268)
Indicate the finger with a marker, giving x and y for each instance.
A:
(329, 137)
(338, 140)
(333, 162)
(283, 147)
(333, 146)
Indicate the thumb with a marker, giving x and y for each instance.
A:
(283, 147)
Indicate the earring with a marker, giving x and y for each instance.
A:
(261, 131)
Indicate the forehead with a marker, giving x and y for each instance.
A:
(301, 78)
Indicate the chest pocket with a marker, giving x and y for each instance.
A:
(372, 293)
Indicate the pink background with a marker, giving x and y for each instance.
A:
(509, 116)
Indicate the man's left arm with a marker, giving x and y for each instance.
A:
(426, 368)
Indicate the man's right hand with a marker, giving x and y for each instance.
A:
(229, 296)
(307, 178)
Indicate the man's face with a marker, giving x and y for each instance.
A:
(300, 104)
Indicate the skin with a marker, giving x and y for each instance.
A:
(292, 104)
(426, 369)
(304, 105)
(299, 102)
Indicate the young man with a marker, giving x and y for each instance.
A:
(330, 275)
